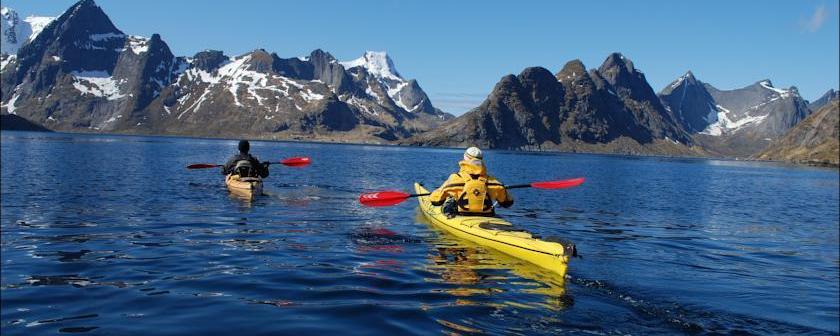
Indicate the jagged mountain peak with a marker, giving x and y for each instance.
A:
(507, 81)
(571, 70)
(575, 72)
(259, 60)
(687, 78)
(683, 81)
(377, 63)
(744, 118)
(690, 102)
(85, 3)
(537, 73)
(319, 53)
(209, 60)
(619, 71)
(90, 18)
(616, 62)
(768, 85)
(829, 95)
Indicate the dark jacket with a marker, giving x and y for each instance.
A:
(260, 168)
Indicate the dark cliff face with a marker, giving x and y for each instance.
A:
(83, 38)
(589, 105)
(11, 122)
(326, 68)
(738, 122)
(83, 74)
(76, 50)
(639, 99)
(690, 102)
(538, 109)
(209, 60)
(780, 109)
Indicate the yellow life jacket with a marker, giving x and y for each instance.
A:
(473, 197)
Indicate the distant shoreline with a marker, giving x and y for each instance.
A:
(399, 145)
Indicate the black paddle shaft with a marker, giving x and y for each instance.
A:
(515, 186)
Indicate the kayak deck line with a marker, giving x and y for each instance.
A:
(498, 241)
(499, 234)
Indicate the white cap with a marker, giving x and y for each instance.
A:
(473, 153)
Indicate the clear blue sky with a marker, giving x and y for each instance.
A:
(458, 50)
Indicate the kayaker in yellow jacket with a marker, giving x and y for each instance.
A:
(470, 191)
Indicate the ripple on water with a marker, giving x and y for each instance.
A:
(668, 246)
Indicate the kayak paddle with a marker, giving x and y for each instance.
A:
(202, 166)
(291, 162)
(390, 197)
(299, 161)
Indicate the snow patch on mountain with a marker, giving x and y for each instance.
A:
(725, 125)
(104, 37)
(712, 116)
(235, 75)
(373, 94)
(5, 60)
(37, 24)
(138, 44)
(359, 103)
(376, 63)
(10, 106)
(97, 83)
(680, 80)
(767, 85)
(309, 96)
(380, 65)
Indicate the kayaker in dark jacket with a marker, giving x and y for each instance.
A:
(470, 191)
(245, 164)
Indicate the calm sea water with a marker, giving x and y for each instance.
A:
(112, 235)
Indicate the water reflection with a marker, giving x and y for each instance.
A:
(474, 270)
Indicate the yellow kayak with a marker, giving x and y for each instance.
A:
(500, 235)
(246, 187)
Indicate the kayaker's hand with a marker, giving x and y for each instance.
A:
(264, 169)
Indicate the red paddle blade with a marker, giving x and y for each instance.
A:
(558, 184)
(202, 166)
(296, 161)
(383, 198)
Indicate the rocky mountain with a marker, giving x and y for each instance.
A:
(815, 140)
(830, 95)
(759, 108)
(692, 104)
(82, 73)
(611, 109)
(736, 122)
